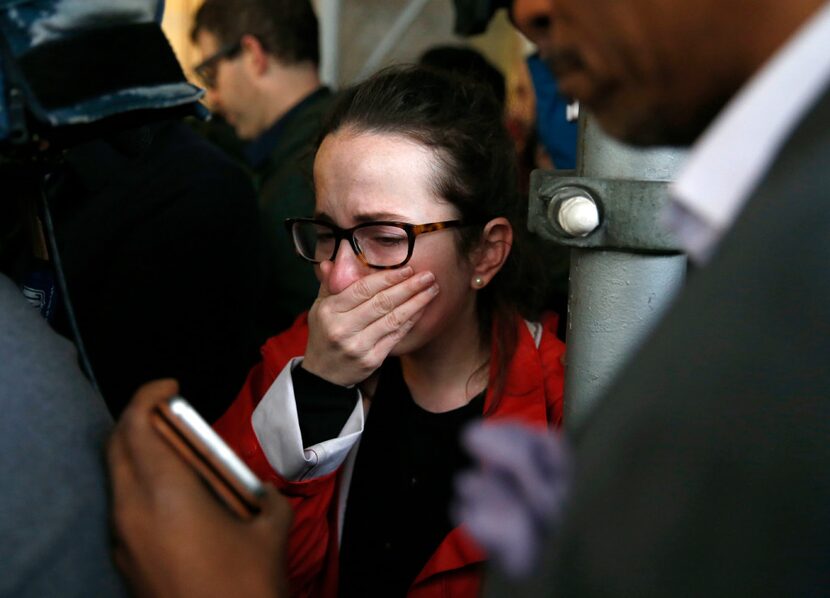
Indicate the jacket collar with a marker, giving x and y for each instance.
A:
(258, 152)
(457, 550)
(523, 396)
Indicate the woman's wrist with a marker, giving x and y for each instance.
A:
(323, 407)
(309, 366)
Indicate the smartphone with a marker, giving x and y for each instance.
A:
(193, 438)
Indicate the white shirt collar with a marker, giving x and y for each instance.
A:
(733, 154)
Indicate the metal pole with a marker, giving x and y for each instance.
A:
(328, 12)
(404, 21)
(625, 269)
(616, 295)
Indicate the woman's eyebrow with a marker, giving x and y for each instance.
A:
(365, 217)
(370, 217)
(323, 216)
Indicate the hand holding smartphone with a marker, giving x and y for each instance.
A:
(194, 439)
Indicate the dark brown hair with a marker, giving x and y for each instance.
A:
(462, 121)
(287, 29)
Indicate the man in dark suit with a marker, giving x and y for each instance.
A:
(706, 469)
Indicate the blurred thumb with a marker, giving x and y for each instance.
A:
(276, 510)
(151, 393)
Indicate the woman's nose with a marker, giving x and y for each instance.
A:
(346, 269)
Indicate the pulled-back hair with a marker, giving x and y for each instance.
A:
(287, 29)
(462, 122)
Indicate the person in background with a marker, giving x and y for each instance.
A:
(158, 236)
(260, 71)
(152, 271)
(557, 135)
(462, 61)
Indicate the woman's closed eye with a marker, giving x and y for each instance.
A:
(387, 240)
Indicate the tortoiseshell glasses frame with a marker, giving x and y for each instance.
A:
(377, 237)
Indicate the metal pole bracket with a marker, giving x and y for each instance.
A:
(627, 212)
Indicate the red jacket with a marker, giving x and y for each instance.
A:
(532, 393)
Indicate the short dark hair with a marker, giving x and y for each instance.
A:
(463, 61)
(287, 29)
(463, 122)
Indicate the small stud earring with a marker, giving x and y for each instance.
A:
(478, 282)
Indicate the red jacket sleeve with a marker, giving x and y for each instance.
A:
(310, 499)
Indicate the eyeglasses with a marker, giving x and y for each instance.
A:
(206, 70)
(380, 244)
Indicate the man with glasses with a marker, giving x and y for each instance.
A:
(259, 67)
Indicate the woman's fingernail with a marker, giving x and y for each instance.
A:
(433, 289)
(426, 277)
(405, 272)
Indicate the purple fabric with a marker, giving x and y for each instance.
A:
(514, 498)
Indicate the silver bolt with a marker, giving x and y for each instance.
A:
(578, 216)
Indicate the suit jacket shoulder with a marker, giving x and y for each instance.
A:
(706, 470)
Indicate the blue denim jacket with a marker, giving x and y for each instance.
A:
(27, 27)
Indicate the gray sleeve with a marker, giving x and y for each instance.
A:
(53, 497)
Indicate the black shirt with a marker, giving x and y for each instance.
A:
(398, 505)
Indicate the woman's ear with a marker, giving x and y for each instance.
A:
(492, 252)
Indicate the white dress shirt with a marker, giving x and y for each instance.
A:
(734, 153)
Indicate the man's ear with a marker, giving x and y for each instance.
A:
(256, 57)
(492, 252)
